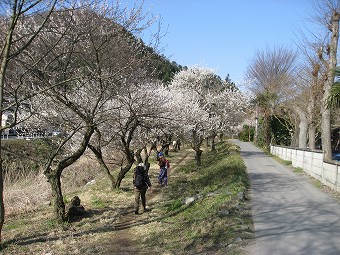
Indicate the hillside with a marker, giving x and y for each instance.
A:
(217, 221)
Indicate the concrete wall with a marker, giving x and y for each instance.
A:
(312, 163)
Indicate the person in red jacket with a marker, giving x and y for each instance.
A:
(163, 169)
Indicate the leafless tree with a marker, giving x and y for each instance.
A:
(14, 41)
(273, 74)
(328, 15)
(94, 59)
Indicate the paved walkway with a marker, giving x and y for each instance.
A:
(291, 216)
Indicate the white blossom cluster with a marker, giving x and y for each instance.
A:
(202, 103)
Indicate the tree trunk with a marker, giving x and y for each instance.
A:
(165, 148)
(220, 136)
(2, 207)
(130, 160)
(311, 136)
(53, 175)
(311, 107)
(213, 144)
(303, 128)
(326, 131)
(18, 10)
(139, 156)
(256, 130)
(122, 174)
(59, 205)
(196, 145)
(329, 80)
(3, 68)
(267, 131)
(295, 136)
(153, 147)
(99, 156)
(198, 157)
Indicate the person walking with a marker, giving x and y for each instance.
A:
(163, 170)
(141, 183)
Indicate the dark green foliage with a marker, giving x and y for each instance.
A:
(279, 128)
(230, 84)
(166, 69)
(247, 133)
(334, 98)
(280, 131)
(20, 157)
(157, 66)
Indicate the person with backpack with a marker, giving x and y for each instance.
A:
(164, 167)
(141, 183)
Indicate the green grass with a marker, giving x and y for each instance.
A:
(298, 170)
(318, 184)
(213, 219)
(17, 224)
(98, 203)
(207, 226)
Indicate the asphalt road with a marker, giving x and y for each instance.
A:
(291, 216)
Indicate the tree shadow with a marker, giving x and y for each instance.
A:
(95, 217)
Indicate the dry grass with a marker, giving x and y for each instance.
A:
(111, 227)
(21, 194)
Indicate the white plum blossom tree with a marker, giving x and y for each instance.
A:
(203, 105)
(139, 115)
(81, 78)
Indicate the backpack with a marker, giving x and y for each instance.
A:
(139, 177)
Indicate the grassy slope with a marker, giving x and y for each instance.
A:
(218, 222)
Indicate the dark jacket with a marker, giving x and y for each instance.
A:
(162, 162)
(142, 171)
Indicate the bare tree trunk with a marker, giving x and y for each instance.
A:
(196, 145)
(326, 129)
(59, 205)
(2, 79)
(311, 136)
(138, 155)
(256, 129)
(311, 107)
(3, 68)
(267, 131)
(2, 207)
(103, 165)
(198, 157)
(329, 80)
(220, 137)
(53, 175)
(165, 147)
(123, 171)
(295, 136)
(213, 144)
(126, 139)
(303, 128)
(146, 160)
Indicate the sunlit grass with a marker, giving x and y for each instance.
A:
(212, 219)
